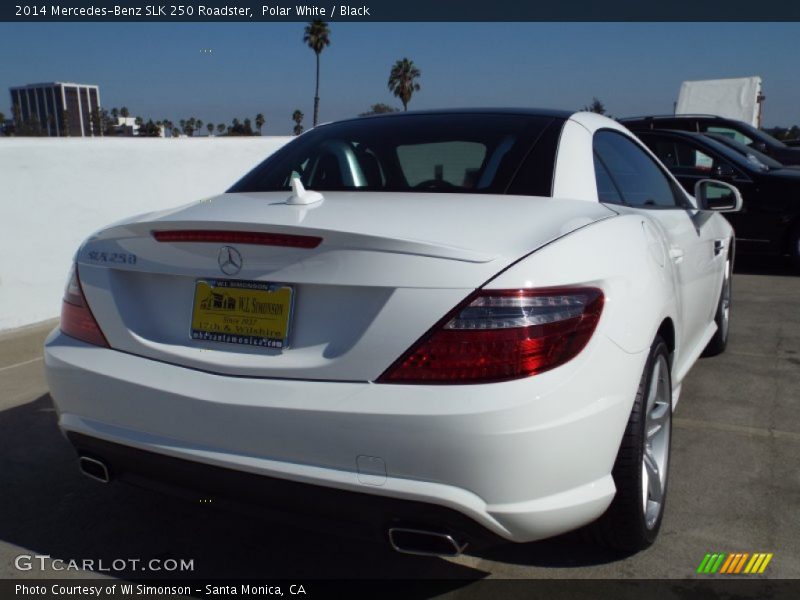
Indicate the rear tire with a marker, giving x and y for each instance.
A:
(633, 519)
(719, 342)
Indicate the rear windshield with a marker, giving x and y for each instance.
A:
(464, 153)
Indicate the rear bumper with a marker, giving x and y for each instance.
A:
(525, 459)
(327, 509)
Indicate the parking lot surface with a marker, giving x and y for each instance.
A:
(734, 487)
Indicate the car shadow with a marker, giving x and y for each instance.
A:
(48, 508)
(573, 549)
(755, 264)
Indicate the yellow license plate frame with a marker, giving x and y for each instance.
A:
(251, 313)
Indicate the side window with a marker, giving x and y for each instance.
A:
(684, 158)
(731, 133)
(692, 158)
(665, 151)
(606, 190)
(639, 180)
(676, 154)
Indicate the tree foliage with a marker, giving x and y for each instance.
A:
(379, 109)
(240, 128)
(403, 80)
(149, 129)
(297, 117)
(596, 107)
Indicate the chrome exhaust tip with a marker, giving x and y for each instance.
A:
(94, 469)
(424, 543)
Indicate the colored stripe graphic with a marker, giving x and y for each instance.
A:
(764, 564)
(737, 556)
(741, 562)
(727, 564)
(703, 563)
(711, 562)
(735, 563)
(718, 562)
(754, 563)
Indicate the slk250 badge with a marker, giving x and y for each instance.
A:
(120, 258)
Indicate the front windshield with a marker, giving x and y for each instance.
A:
(457, 152)
(734, 155)
(753, 155)
(761, 136)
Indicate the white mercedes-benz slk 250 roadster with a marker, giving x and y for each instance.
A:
(453, 326)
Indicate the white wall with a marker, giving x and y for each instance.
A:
(54, 192)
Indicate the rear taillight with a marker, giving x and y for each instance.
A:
(497, 335)
(76, 318)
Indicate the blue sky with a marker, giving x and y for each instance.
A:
(159, 70)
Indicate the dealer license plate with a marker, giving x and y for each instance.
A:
(252, 313)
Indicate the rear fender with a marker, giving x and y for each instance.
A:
(618, 256)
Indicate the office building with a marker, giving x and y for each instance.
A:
(57, 109)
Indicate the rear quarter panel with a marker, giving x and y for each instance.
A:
(618, 256)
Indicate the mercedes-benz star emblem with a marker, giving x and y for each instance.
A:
(230, 261)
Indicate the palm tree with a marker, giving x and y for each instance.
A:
(124, 112)
(402, 80)
(297, 117)
(221, 128)
(317, 37)
(198, 124)
(210, 127)
(259, 122)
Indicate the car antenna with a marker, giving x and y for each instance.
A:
(300, 195)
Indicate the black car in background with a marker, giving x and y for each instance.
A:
(770, 218)
(758, 158)
(738, 130)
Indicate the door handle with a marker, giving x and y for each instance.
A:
(719, 246)
(676, 254)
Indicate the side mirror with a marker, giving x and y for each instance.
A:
(717, 196)
(724, 171)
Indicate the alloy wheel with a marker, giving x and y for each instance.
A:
(656, 441)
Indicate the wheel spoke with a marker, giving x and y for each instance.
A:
(656, 419)
(653, 477)
(652, 393)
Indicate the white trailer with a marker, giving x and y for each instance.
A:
(738, 98)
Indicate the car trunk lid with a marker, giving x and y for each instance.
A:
(386, 268)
